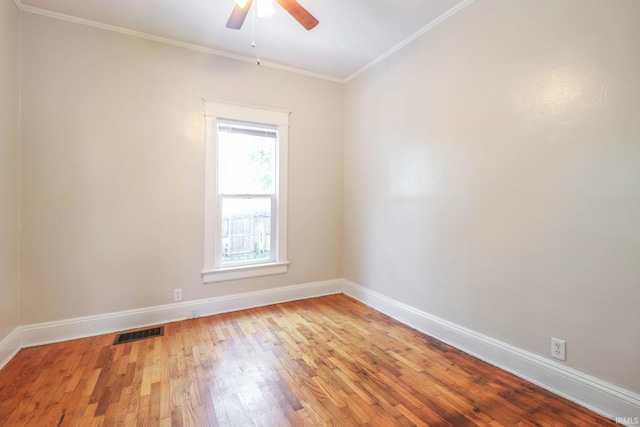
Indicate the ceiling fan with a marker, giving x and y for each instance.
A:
(294, 8)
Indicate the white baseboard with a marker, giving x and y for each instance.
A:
(9, 346)
(64, 330)
(606, 399)
(599, 396)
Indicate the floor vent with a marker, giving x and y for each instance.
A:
(139, 335)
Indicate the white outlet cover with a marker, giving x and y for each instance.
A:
(558, 349)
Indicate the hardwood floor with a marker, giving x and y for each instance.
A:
(322, 361)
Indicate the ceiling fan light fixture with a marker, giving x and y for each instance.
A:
(265, 8)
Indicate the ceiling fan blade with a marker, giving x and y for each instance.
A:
(238, 15)
(299, 13)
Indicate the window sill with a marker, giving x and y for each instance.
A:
(244, 272)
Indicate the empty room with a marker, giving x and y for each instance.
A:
(319, 212)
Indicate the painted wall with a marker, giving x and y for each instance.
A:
(492, 177)
(9, 168)
(113, 167)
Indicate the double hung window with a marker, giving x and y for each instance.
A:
(245, 192)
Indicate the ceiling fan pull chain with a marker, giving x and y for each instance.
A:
(254, 25)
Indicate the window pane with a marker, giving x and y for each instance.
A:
(246, 161)
(246, 231)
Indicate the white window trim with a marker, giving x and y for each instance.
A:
(215, 110)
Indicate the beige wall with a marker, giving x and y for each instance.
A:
(492, 177)
(9, 168)
(113, 164)
(491, 174)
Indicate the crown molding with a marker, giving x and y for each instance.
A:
(168, 41)
(448, 14)
(198, 48)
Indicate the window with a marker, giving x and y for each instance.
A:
(245, 192)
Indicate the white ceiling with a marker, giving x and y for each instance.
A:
(352, 34)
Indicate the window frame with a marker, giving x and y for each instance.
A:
(213, 270)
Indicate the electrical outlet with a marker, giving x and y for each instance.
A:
(177, 294)
(558, 349)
